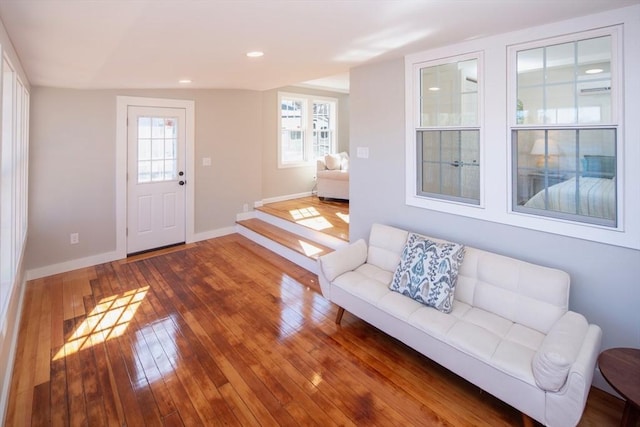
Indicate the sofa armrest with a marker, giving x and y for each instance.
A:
(320, 164)
(565, 407)
(559, 350)
(338, 262)
(343, 259)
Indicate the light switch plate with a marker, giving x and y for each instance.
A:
(206, 161)
(362, 152)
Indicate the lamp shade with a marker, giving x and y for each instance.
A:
(539, 148)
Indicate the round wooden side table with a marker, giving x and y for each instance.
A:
(621, 368)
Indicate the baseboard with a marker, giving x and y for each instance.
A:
(283, 198)
(212, 234)
(10, 333)
(74, 264)
(245, 215)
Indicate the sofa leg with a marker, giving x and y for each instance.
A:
(527, 421)
(339, 315)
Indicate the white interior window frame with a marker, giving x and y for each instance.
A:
(555, 224)
(413, 65)
(307, 129)
(496, 130)
(15, 133)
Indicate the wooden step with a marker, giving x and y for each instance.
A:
(290, 240)
(329, 216)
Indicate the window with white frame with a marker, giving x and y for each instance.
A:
(564, 128)
(307, 128)
(447, 130)
(13, 180)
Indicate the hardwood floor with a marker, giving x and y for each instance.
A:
(224, 332)
(329, 216)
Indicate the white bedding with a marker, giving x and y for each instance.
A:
(596, 197)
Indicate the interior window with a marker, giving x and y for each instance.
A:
(564, 141)
(448, 133)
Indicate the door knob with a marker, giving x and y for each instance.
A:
(180, 173)
(182, 182)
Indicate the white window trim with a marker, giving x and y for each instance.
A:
(15, 168)
(412, 79)
(496, 132)
(617, 115)
(307, 129)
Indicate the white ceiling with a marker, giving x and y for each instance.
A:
(154, 43)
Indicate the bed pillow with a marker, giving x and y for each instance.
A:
(428, 272)
(596, 166)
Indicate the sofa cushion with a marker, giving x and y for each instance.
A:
(436, 323)
(385, 246)
(333, 161)
(367, 282)
(525, 293)
(428, 271)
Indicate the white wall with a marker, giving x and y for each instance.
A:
(605, 279)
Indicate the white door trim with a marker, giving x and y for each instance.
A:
(123, 102)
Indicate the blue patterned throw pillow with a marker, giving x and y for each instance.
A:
(428, 271)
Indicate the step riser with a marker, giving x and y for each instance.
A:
(293, 256)
(300, 230)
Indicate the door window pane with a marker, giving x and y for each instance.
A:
(157, 149)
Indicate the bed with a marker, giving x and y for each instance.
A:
(592, 194)
(593, 197)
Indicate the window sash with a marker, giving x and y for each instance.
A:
(556, 174)
(447, 101)
(301, 141)
(577, 119)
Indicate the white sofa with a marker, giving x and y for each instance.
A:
(332, 175)
(509, 332)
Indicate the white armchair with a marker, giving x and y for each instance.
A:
(332, 176)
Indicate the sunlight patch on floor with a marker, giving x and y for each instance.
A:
(318, 223)
(109, 319)
(309, 249)
(301, 213)
(343, 217)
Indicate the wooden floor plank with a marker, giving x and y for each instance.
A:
(329, 216)
(43, 351)
(224, 332)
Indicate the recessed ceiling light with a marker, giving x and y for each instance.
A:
(434, 89)
(184, 81)
(255, 54)
(594, 71)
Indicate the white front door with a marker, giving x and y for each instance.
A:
(156, 177)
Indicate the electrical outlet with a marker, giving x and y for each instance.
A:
(74, 238)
